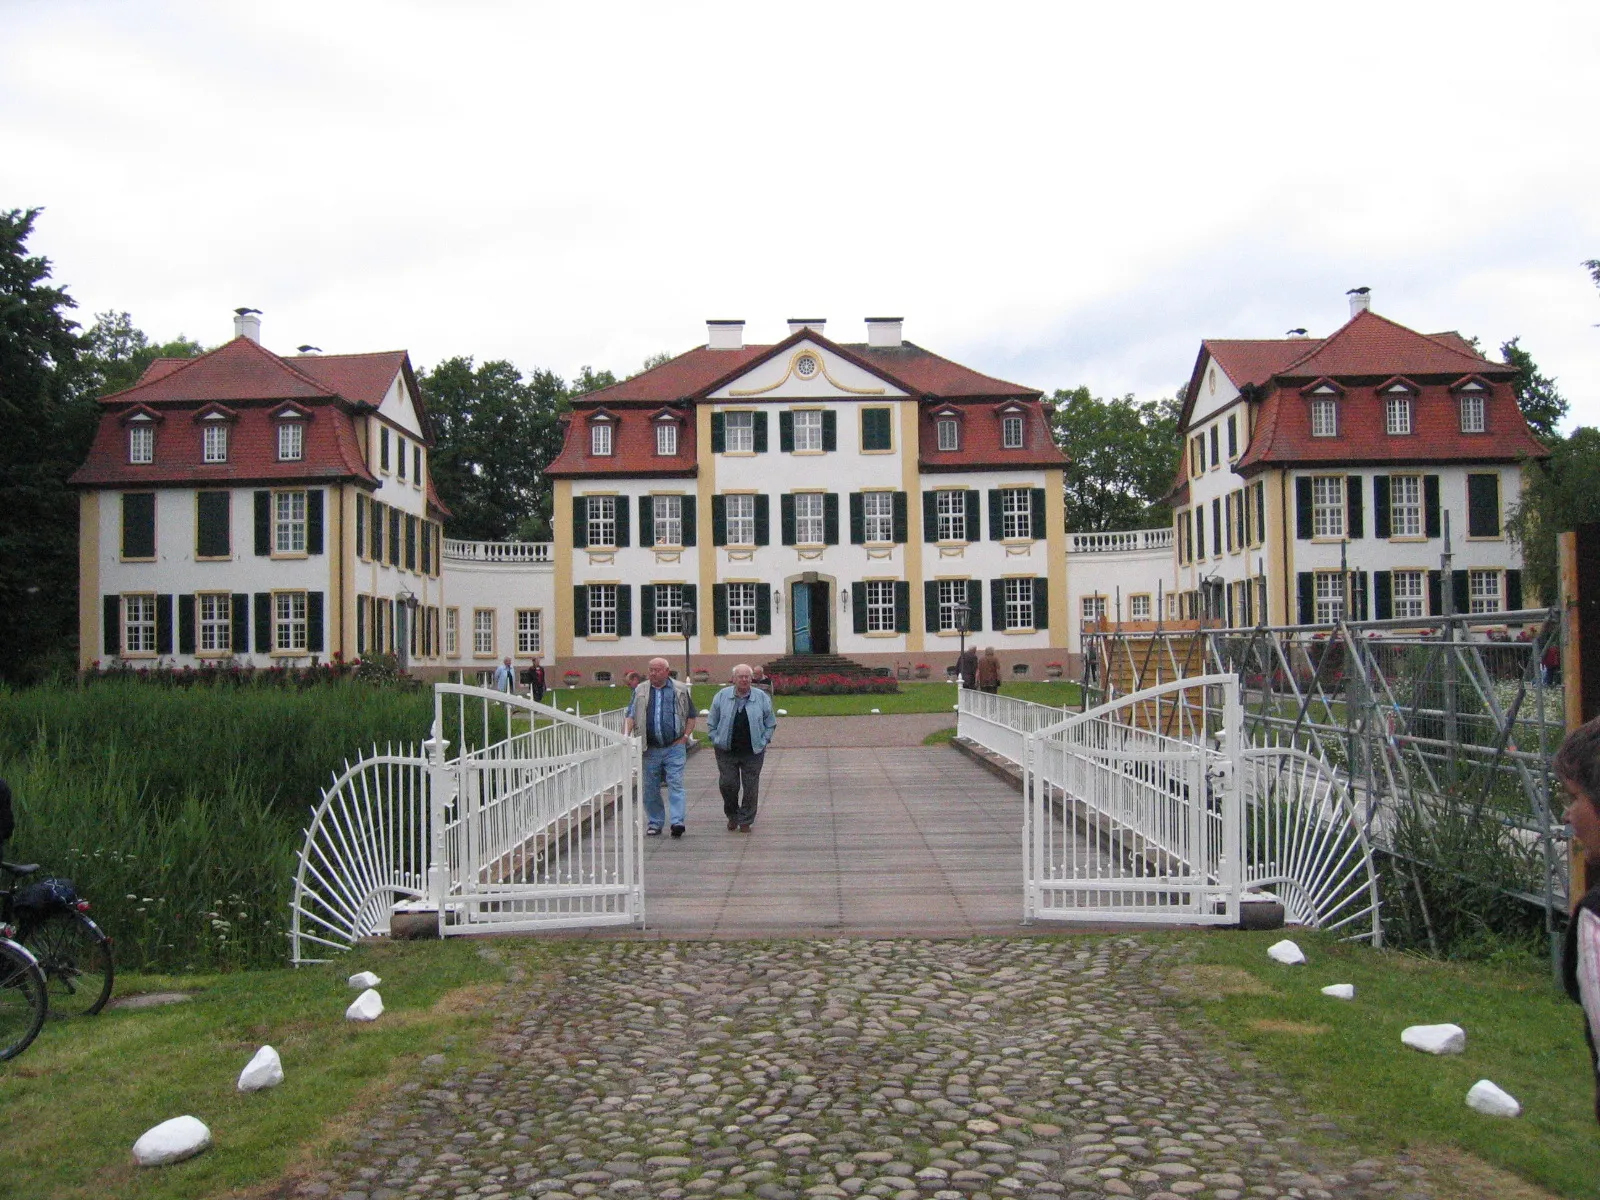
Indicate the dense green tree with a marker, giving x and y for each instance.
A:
(1123, 455)
(1558, 494)
(116, 352)
(1542, 405)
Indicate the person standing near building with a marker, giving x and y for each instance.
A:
(505, 679)
(1577, 766)
(741, 726)
(967, 667)
(535, 678)
(989, 672)
(663, 711)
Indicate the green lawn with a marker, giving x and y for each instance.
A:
(911, 698)
(1346, 1057)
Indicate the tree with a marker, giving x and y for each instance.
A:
(1123, 455)
(1542, 405)
(115, 353)
(1559, 494)
(655, 360)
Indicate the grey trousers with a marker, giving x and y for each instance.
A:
(736, 774)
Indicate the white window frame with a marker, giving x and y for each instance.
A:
(741, 524)
(949, 431)
(138, 624)
(1018, 604)
(739, 433)
(1011, 433)
(1016, 513)
(1408, 593)
(483, 633)
(669, 609)
(951, 508)
(142, 443)
(602, 520)
(291, 441)
(667, 517)
(810, 527)
(530, 631)
(741, 608)
(213, 618)
(807, 430)
(1484, 590)
(1405, 506)
(1329, 597)
(1139, 606)
(1472, 409)
(666, 438)
(289, 634)
(289, 522)
(600, 440)
(952, 596)
(1092, 608)
(1397, 412)
(452, 632)
(214, 442)
(1327, 506)
(877, 517)
(880, 606)
(1324, 416)
(602, 610)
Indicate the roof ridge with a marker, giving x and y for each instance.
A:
(276, 359)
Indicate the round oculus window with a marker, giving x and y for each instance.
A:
(805, 366)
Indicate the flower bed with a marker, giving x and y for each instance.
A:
(832, 685)
(380, 668)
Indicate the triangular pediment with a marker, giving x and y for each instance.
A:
(806, 368)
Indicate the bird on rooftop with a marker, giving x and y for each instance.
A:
(242, 311)
(1360, 291)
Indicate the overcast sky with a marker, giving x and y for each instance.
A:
(1056, 194)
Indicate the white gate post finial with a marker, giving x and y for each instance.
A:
(1232, 794)
(441, 794)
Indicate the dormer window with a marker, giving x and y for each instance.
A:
(666, 438)
(1471, 401)
(949, 433)
(214, 442)
(600, 438)
(1011, 433)
(141, 443)
(1325, 412)
(1397, 410)
(291, 441)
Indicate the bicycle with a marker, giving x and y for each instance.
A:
(24, 998)
(72, 952)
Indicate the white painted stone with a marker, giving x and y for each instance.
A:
(1492, 1101)
(1286, 952)
(263, 1071)
(705, 712)
(367, 1007)
(1340, 991)
(783, 712)
(171, 1141)
(877, 710)
(1435, 1039)
(364, 979)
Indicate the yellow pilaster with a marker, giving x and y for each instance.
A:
(561, 550)
(343, 603)
(89, 641)
(911, 484)
(1280, 561)
(706, 487)
(1055, 509)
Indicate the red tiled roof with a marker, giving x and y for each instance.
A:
(633, 445)
(980, 447)
(1369, 345)
(238, 370)
(364, 378)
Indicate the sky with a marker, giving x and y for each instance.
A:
(1057, 194)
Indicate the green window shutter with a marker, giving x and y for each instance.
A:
(997, 530)
(930, 606)
(263, 622)
(263, 502)
(624, 513)
(997, 604)
(1304, 525)
(138, 525)
(1461, 590)
(763, 608)
(875, 429)
(239, 612)
(580, 610)
(1383, 595)
(975, 605)
(719, 520)
(1307, 581)
(647, 521)
(362, 603)
(1358, 595)
(1200, 531)
(647, 609)
(930, 516)
(1435, 593)
(314, 637)
(186, 624)
(1483, 505)
(361, 525)
(624, 610)
(758, 428)
(1430, 505)
(411, 542)
(902, 606)
(858, 519)
(974, 502)
(719, 609)
(1233, 436)
(394, 537)
(427, 547)
(111, 625)
(1354, 525)
(211, 524)
(375, 532)
(858, 606)
(689, 508)
(580, 522)
(786, 431)
(719, 434)
(1038, 528)
(1041, 602)
(1513, 591)
(691, 605)
(164, 624)
(763, 519)
(830, 518)
(830, 430)
(314, 524)
(1261, 512)
(786, 518)
(1380, 506)
(902, 521)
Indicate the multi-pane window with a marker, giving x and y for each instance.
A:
(668, 512)
(452, 631)
(602, 608)
(741, 608)
(289, 522)
(602, 512)
(214, 611)
(1483, 591)
(739, 432)
(952, 510)
(530, 631)
(1094, 607)
(880, 606)
(877, 509)
(1011, 433)
(953, 605)
(808, 429)
(1397, 412)
(1327, 506)
(808, 525)
(138, 624)
(1471, 413)
(1324, 418)
(291, 441)
(1139, 606)
(289, 621)
(483, 630)
(1016, 512)
(949, 433)
(1408, 594)
(214, 443)
(141, 444)
(666, 437)
(1405, 505)
(1019, 604)
(600, 438)
(741, 513)
(1330, 597)
(669, 608)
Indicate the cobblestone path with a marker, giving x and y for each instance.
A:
(1004, 1069)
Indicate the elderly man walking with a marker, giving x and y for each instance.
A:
(663, 711)
(741, 725)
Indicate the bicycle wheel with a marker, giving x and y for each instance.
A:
(75, 957)
(23, 999)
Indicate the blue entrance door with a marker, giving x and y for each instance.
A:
(800, 607)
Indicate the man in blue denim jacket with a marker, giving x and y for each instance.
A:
(662, 711)
(741, 725)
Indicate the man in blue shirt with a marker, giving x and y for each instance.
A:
(663, 711)
(741, 725)
(505, 679)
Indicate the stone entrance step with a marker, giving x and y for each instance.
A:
(819, 664)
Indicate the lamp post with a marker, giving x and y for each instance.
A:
(962, 615)
(406, 600)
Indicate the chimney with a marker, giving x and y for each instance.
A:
(883, 333)
(247, 323)
(724, 335)
(1360, 300)
(815, 324)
